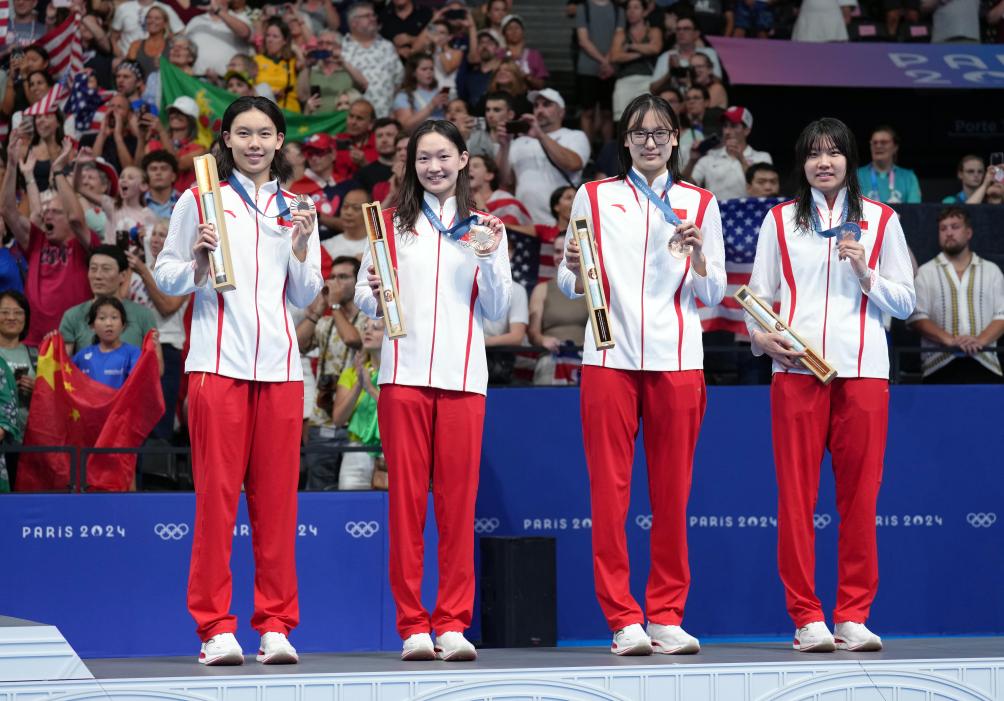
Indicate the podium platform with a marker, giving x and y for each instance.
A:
(929, 669)
(33, 651)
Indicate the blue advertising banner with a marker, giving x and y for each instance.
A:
(110, 570)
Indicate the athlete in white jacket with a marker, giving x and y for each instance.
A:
(653, 373)
(245, 398)
(432, 382)
(833, 291)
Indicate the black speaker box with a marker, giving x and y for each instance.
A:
(519, 592)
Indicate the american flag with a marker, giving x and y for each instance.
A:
(4, 20)
(65, 50)
(525, 261)
(741, 220)
(87, 104)
(49, 103)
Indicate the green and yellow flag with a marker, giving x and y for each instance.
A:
(213, 102)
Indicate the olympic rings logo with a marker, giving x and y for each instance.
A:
(981, 520)
(486, 525)
(821, 521)
(362, 529)
(171, 531)
(643, 521)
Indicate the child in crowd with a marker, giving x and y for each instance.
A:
(108, 360)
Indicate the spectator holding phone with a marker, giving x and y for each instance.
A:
(546, 156)
(21, 359)
(420, 97)
(23, 62)
(530, 61)
(178, 138)
(991, 189)
(355, 407)
(327, 75)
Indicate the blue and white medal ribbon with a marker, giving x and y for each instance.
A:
(280, 201)
(455, 232)
(842, 232)
(661, 204)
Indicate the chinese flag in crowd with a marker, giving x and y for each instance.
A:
(69, 408)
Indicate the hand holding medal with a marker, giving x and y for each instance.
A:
(485, 236)
(686, 241)
(302, 215)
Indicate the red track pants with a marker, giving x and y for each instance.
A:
(244, 432)
(432, 433)
(671, 406)
(850, 417)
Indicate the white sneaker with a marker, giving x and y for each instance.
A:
(276, 649)
(418, 647)
(672, 640)
(814, 637)
(452, 646)
(631, 640)
(856, 637)
(221, 649)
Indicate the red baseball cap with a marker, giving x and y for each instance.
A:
(319, 142)
(738, 115)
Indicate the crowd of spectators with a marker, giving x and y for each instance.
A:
(85, 207)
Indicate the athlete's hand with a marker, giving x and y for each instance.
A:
(303, 227)
(204, 245)
(854, 252)
(573, 256)
(373, 280)
(779, 348)
(498, 231)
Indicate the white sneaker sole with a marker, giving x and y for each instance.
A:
(418, 654)
(637, 650)
(823, 646)
(282, 657)
(867, 646)
(690, 648)
(457, 655)
(229, 659)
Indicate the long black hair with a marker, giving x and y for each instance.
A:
(820, 134)
(632, 119)
(411, 194)
(280, 168)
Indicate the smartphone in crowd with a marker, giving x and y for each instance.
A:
(517, 127)
(315, 90)
(997, 165)
(343, 145)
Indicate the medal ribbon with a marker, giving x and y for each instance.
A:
(455, 232)
(841, 230)
(279, 199)
(661, 203)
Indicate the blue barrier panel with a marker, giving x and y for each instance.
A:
(111, 569)
(941, 511)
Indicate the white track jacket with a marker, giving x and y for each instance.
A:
(246, 333)
(445, 292)
(652, 296)
(820, 296)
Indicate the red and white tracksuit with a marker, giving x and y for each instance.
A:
(822, 300)
(431, 408)
(245, 402)
(654, 373)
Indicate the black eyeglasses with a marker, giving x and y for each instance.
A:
(639, 137)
